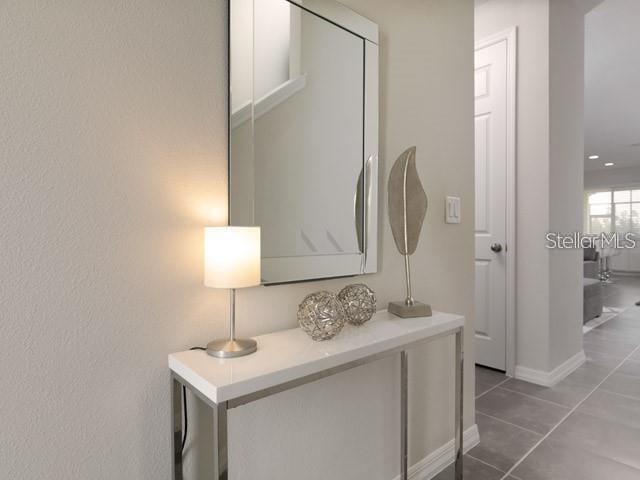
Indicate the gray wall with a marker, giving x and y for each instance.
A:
(113, 158)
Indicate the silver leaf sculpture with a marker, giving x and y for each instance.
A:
(407, 204)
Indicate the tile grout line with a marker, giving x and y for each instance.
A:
(632, 360)
(605, 336)
(510, 424)
(485, 463)
(492, 388)
(555, 404)
(589, 350)
(630, 397)
(608, 340)
(628, 374)
(517, 464)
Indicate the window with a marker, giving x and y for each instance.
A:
(614, 211)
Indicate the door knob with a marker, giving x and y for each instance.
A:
(496, 247)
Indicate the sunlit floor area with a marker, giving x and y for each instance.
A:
(587, 427)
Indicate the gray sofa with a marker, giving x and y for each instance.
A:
(591, 263)
(592, 303)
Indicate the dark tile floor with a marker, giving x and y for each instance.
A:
(585, 428)
(623, 292)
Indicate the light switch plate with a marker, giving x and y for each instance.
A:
(452, 210)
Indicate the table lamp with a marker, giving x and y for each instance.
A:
(231, 260)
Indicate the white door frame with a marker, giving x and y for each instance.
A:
(511, 37)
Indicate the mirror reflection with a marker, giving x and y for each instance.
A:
(297, 136)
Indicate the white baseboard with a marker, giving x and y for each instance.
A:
(439, 459)
(549, 379)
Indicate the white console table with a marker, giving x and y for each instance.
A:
(290, 358)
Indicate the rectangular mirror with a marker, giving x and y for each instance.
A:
(303, 138)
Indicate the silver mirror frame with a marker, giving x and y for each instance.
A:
(307, 268)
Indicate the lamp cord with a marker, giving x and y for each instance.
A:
(184, 407)
(184, 411)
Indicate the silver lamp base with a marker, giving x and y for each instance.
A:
(231, 348)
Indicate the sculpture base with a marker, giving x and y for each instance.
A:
(401, 309)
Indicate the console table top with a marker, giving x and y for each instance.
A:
(289, 355)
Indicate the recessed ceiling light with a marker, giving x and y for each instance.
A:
(608, 164)
(594, 157)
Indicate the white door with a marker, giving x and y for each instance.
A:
(491, 145)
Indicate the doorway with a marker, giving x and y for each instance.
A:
(495, 88)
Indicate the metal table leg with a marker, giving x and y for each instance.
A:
(176, 429)
(459, 403)
(404, 430)
(220, 441)
(220, 434)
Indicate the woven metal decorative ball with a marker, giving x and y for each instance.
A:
(359, 303)
(321, 315)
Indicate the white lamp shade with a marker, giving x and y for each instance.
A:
(231, 257)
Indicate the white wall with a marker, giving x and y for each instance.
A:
(332, 62)
(241, 48)
(549, 172)
(566, 149)
(612, 79)
(272, 43)
(112, 158)
(612, 177)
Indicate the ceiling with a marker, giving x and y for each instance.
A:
(612, 84)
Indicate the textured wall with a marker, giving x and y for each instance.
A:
(112, 158)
